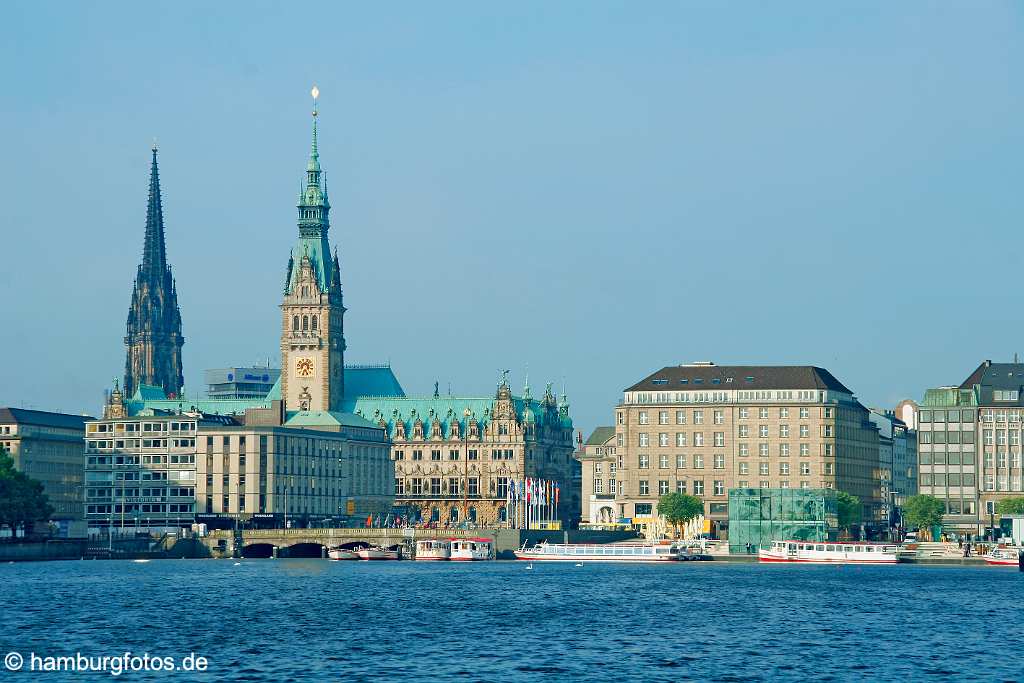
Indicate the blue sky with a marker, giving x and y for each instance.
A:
(592, 190)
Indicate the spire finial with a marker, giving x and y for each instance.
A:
(155, 147)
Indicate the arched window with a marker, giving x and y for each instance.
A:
(305, 323)
(502, 514)
(295, 323)
(453, 515)
(472, 514)
(435, 515)
(313, 325)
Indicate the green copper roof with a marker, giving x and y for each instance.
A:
(449, 410)
(324, 418)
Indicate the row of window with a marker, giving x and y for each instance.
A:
(134, 427)
(453, 454)
(718, 416)
(644, 459)
(143, 508)
(449, 486)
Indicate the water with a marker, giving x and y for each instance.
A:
(279, 620)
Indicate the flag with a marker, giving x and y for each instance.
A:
(558, 490)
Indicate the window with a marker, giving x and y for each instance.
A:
(698, 438)
(762, 431)
(435, 455)
(295, 324)
(680, 439)
(762, 468)
(453, 454)
(698, 487)
(663, 417)
(663, 439)
(662, 462)
(645, 487)
(719, 487)
(680, 417)
(698, 417)
(719, 461)
(762, 413)
(662, 487)
(784, 468)
(805, 431)
(719, 417)
(784, 431)
(783, 413)
(620, 418)
(643, 439)
(744, 413)
(805, 450)
(698, 462)
(417, 455)
(680, 461)
(762, 450)
(804, 413)
(826, 431)
(765, 484)
(643, 417)
(680, 486)
(642, 509)
(744, 450)
(599, 486)
(719, 439)
(744, 468)
(644, 461)
(805, 468)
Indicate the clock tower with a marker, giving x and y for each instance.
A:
(312, 331)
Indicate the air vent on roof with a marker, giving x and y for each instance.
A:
(750, 379)
(699, 364)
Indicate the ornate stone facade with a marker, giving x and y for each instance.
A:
(153, 331)
(454, 457)
(312, 329)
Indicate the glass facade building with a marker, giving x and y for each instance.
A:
(760, 516)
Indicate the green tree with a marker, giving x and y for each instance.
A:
(1011, 506)
(923, 511)
(22, 500)
(679, 508)
(850, 510)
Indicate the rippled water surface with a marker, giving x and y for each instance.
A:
(270, 620)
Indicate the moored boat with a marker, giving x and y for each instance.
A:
(433, 549)
(609, 552)
(1004, 557)
(470, 549)
(341, 554)
(375, 553)
(824, 552)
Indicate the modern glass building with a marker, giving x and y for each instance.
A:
(760, 516)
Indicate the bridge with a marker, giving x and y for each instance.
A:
(313, 543)
(263, 543)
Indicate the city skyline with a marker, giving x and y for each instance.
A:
(466, 193)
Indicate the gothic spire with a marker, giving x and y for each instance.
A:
(154, 252)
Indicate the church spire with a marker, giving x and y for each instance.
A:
(154, 252)
(153, 330)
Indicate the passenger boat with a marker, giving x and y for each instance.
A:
(341, 554)
(375, 553)
(847, 552)
(609, 552)
(433, 549)
(1003, 557)
(470, 549)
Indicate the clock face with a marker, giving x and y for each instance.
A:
(304, 367)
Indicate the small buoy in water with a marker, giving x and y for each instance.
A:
(579, 564)
(237, 564)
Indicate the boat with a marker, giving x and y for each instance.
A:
(470, 549)
(1003, 557)
(823, 552)
(341, 554)
(608, 552)
(376, 553)
(433, 549)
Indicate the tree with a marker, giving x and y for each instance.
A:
(679, 508)
(22, 500)
(923, 511)
(849, 509)
(1011, 506)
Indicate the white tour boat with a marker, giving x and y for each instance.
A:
(341, 554)
(608, 552)
(470, 549)
(830, 552)
(1003, 557)
(377, 554)
(433, 549)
